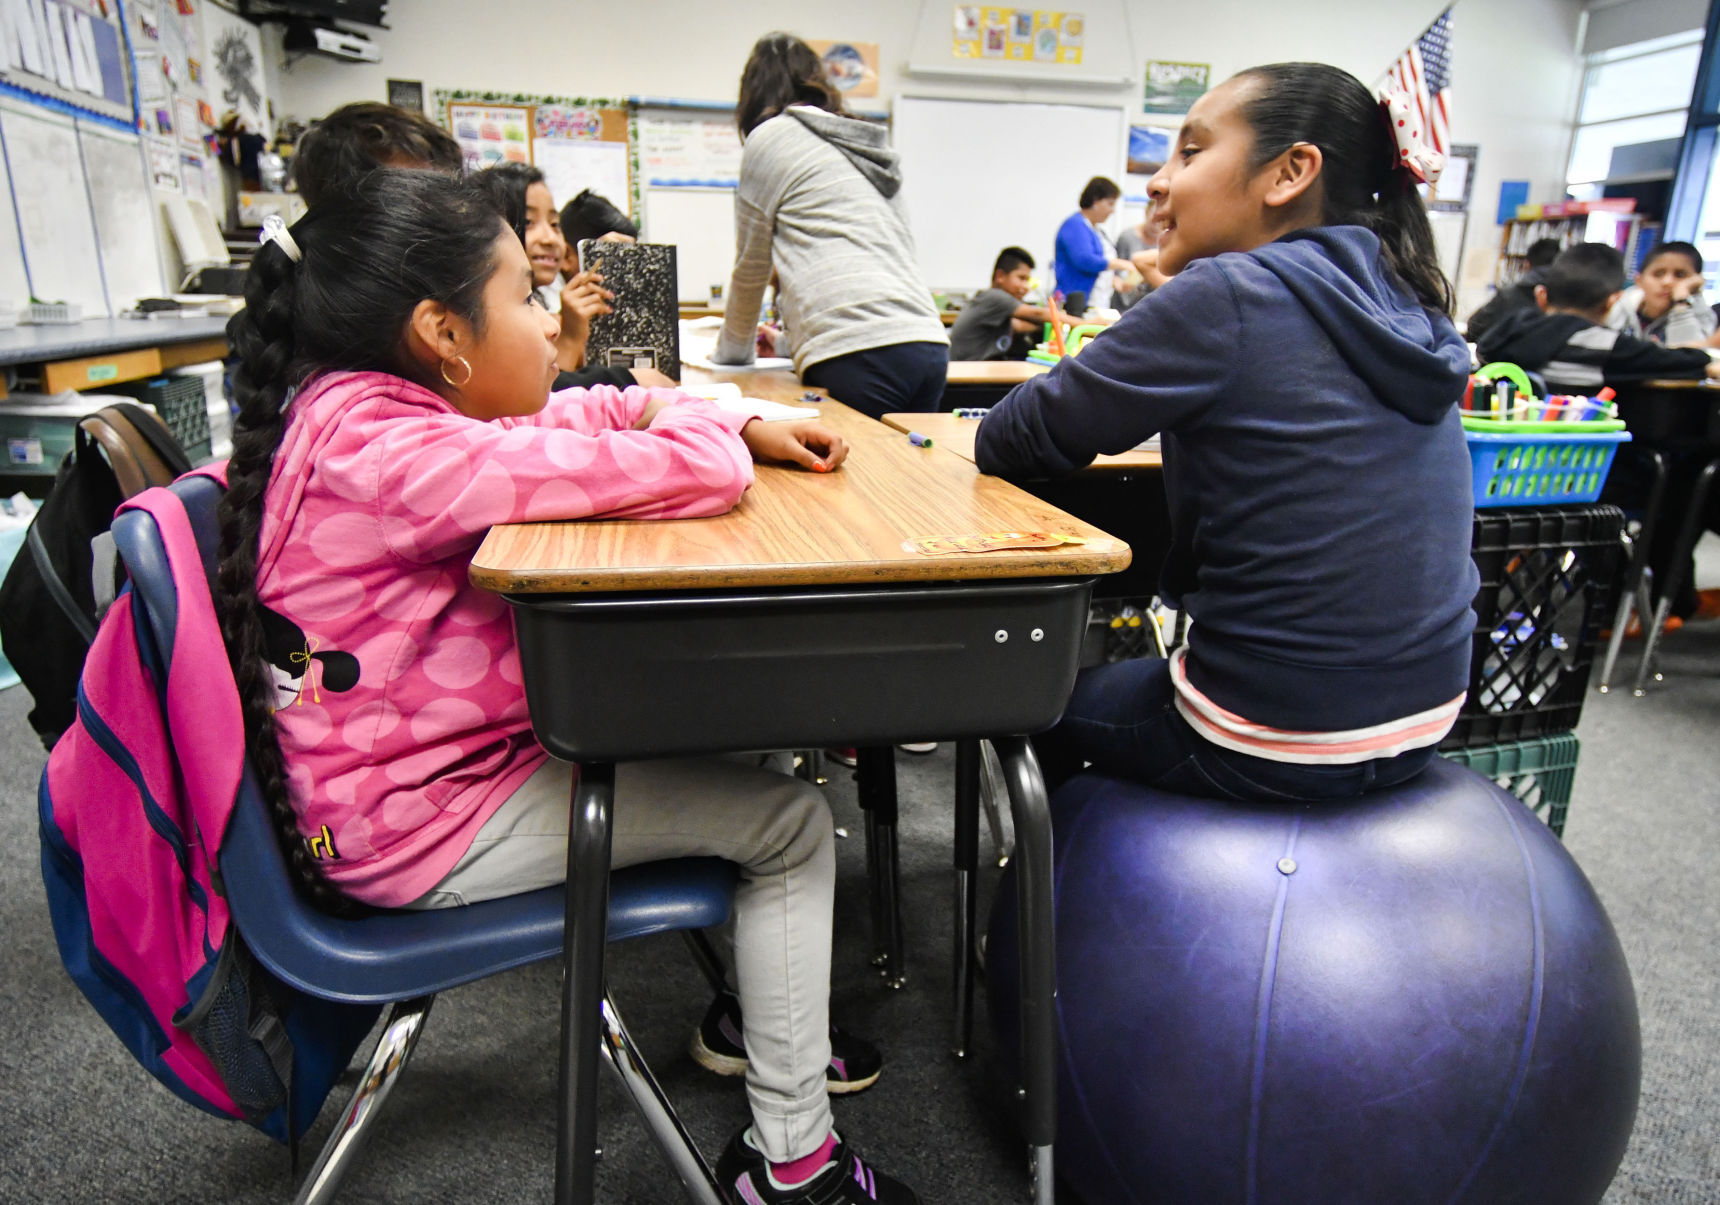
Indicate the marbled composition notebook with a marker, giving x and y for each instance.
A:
(645, 330)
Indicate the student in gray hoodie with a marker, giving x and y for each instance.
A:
(820, 201)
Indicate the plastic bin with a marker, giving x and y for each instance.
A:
(182, 404)
(1519, 469)
(1548, 577)
(1539, 771)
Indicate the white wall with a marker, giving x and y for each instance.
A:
(1515, 64)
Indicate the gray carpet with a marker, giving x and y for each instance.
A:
(473, 1119)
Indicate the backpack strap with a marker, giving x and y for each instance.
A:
(57, 588)
(139, 447)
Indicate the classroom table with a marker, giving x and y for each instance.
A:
(801, 619)
(994, 372)
(1122, 494)
(1667, 419)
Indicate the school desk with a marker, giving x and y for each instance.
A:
(1668, 420)
(801, 619)
(1122, 494)
(993, 372)
(109, 351)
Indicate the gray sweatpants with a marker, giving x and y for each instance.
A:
(778, 830)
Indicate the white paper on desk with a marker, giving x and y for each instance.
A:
(697, 346)
(1149, 444)
(727, 396)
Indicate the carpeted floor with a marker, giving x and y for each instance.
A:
(473, 1119)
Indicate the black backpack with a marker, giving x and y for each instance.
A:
(65, 575)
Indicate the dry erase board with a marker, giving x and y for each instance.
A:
(53, 208)
(14, 286)
(125, 216)
(978, 176)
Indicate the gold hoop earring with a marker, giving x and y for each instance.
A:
(460, 384)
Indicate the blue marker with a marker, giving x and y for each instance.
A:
(918, 440)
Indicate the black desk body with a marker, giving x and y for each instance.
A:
(621, 677)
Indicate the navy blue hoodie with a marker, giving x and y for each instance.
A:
(1315, 465)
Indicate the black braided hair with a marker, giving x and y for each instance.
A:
(1363, 184)
(370, 253)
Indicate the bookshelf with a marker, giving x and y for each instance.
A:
(1621, 230)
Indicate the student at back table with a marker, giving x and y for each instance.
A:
(998, 324)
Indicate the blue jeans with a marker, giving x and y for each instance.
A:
(885, 380)
(1123, 719)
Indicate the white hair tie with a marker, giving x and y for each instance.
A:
(1414, 155)
(275, 231)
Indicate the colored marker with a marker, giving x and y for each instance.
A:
(809, 396)
(972, 411)
(918, 440)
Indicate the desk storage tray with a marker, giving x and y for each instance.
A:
(622, 677)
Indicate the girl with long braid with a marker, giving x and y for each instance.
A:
(394, 390)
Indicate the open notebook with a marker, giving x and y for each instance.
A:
(728, 395)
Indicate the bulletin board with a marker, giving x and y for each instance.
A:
(577, 142)
(69, 55)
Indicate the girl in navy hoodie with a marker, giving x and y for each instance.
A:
(1303, 370)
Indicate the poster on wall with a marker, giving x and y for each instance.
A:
(1020, 35)
(163, 164)
(406, 94)
(69, 51)
(491, 134)
(1149, 148)
(1173, 87)
(570, 167)
(685, 150)
(567, 123)
(234, 52)
(851, 66)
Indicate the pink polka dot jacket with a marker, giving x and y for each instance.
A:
(402, 714)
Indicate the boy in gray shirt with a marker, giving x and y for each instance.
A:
(995, 324)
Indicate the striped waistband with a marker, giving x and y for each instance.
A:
(1228, 730)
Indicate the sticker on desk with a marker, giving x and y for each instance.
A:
(991, 541)
(24, 451)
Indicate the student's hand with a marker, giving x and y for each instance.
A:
(582, 299)
(1122, 265)
(809, 444)
(767, 339)
(1683, 290)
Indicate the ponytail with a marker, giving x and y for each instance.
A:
(368, 255)
(1363, 182)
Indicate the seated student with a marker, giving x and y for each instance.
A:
(393, 406)
(1566, 338)
(1569, 345)
(364, 136)
(590, 216)
(519, 192)
(997, 324)
(1140, 246)
(1518, 295)
(1666, 304)
(1302, 366)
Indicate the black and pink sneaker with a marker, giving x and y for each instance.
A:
(855, 1063)
(846, 1180)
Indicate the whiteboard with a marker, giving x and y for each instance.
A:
(701, 224)
(678, 149)
(570, 167)
(53, 208)
(125, 217)
(14, 285)
(978, 176)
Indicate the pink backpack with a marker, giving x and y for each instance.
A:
(135, 803)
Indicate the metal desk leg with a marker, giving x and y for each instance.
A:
(967, 868)
(1636, 574)
(1681, 554)
(582, 982)
(1032, 811)
(877, 783)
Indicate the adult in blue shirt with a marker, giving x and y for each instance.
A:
(1081, 253)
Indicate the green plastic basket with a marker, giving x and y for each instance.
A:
(1538, 770)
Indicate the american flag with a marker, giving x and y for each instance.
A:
(1424, 71)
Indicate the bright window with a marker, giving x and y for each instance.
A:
(1632, 95)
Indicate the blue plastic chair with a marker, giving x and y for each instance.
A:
(402, 959)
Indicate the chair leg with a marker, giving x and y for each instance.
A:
(582, 953)
(660, 1119)
(992, 790)
(1635, 593)
(1032, 811)
(966, 868)
(400, 1033)
(709, 962)
(877, 775)
(1688, 534)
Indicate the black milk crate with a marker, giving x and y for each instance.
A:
(183, 406)
(1548, 576)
